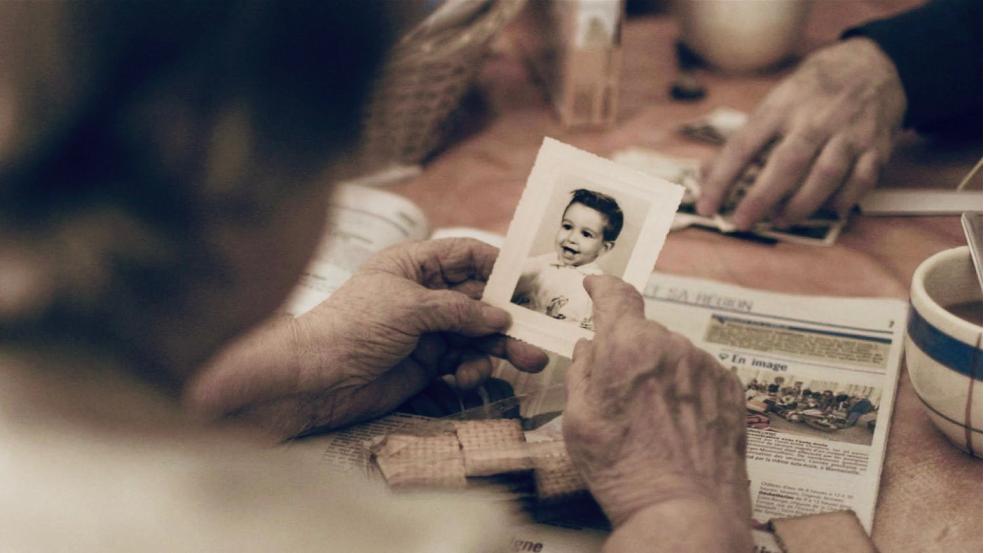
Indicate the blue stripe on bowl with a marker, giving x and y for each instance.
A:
(944, 349)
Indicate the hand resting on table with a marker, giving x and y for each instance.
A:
(832, 121)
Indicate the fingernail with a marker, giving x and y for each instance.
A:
(588, 282)
(581, 348)
(495, 317)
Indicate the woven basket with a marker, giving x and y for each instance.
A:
(423, 80)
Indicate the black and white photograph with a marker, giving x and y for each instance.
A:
(580, 215)
(809, 406)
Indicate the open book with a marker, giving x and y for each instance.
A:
(820, 372)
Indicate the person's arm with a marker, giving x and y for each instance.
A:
(833, 121)
(656, 427)
(410, 315)
(684, 525)
(936, 51)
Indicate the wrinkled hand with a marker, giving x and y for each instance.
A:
(651, 420)
(411, 314)
(834, 121)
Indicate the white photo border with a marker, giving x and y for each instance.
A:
(554, 159)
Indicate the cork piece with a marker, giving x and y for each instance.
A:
(421, 461)
(554, 474)
(492, 447)
(836, 531)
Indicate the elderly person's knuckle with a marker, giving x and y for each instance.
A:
(623, 330)
(675, 351)
(615, 289)
(800, 146)
(742, 145)
(405, 305)
(733, 388)
(861, 130)
(645, 337)
(652, 336)
(853, 142)
(459, 309)
(652, 331)
(622, 354)
(579, 426)
(440, 308)
(757, 202)
(458, 245)
(866, 176)
(681, 343)
(465, 248)
(382, 259)
(828, 170)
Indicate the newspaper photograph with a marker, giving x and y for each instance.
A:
(794, 404)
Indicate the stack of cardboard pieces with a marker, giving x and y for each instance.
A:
(542, 477)
(472, 453)
(421, 461)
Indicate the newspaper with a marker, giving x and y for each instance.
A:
(361, 222)
(808, 451)
(805, 455)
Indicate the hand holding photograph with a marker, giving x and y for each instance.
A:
(579, 215)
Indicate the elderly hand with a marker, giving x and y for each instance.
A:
(657, 428)
(411, 314)
(834, 121)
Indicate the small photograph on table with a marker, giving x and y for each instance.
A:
(580, 215)
(809, 406)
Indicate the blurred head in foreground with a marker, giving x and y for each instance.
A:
(161, 166)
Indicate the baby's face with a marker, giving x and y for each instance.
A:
(580, 240)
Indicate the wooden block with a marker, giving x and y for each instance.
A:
(835, 531)
(492, 447)
(554, 473)
(408, 461)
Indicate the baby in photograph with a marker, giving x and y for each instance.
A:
(552, 283)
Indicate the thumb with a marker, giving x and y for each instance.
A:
(612, 299)
(451, 311)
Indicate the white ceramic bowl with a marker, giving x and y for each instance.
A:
(943, 351)
(742, 35)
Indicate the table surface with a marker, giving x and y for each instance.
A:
(930, 498)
